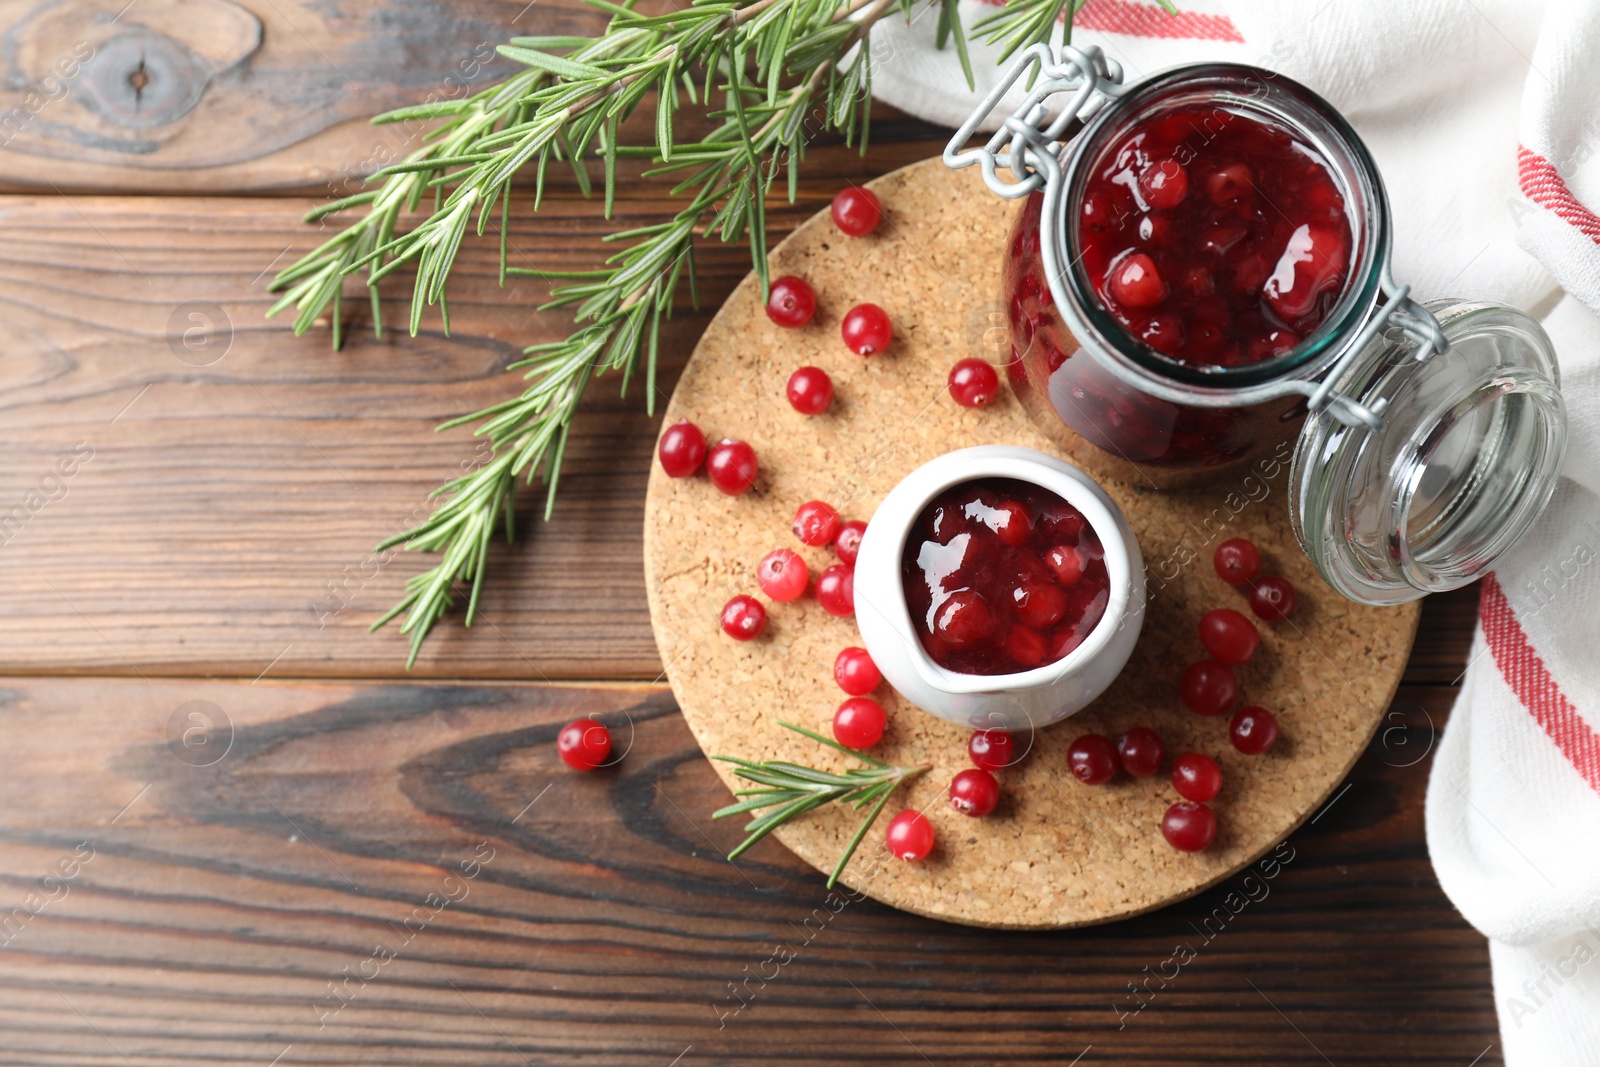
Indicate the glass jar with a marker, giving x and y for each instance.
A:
(1427, 438)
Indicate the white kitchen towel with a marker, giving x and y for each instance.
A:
(1484, 116)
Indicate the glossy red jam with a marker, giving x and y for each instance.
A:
(1214, 237)
(1002, 576)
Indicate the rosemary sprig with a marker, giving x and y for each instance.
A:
(789, 789)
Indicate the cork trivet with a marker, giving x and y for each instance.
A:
(1056, 853)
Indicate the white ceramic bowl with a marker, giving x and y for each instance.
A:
(1022, 701)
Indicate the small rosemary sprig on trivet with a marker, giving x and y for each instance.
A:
(790, 789)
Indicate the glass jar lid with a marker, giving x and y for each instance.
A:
(1467, 456)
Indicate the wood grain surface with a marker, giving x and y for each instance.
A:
(199, 493)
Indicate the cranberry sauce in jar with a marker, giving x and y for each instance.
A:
(1002, 576)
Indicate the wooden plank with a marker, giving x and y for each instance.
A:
(209, 902)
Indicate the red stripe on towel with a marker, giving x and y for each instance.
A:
(1541, 183)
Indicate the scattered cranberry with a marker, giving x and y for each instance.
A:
(743, 618)
(1273, 599)
(866, 329)
(1140, 751)
(1209, 687)
(1196, 777)
(732, 466)
(682, 449)
(856, 211)
(910, 835)
(815, 523)
(973, 382)
(974, 793)
(810, 390)
(1228, 635)
(791, 302)
(991, 750)
(584, 744)
(859, 723)
(1135, 282)
(855, 672)
(1236, 561)
(1092, 759)
(782, 575)
(1253, 730)
(1189, 827)
(848, 543)
(836, 590)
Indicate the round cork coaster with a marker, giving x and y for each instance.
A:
(1055, 853)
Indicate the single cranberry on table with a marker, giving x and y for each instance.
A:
(973, 382)
(1237, 561)
(1208, 687)
(1253, 730)
(583, 744)
(815, 523)
(866, 329)
(682, 449)
(1092, 759)
(791, 301)
(1140, 751)
(992, 750)
(847, 545)
(732, 466)
(856, 211)
(782, 575)
(974, 793)
(743, 618)
(1229, 636)
(810, 390)
(983, 581)
(855, 672)
(859, 723)
(1189, 827)
(836, 590)
(1273, 599)
(1196, 777)
(910, 835)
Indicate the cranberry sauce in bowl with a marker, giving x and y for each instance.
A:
(1213, 235)
(1002, 576)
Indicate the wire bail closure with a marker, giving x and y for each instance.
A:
(1029, 145)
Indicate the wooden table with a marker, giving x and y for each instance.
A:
(209, 554)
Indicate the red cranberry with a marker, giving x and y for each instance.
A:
(743, 618)
(836, 590)
(973, 382)
(732, 466)
(1135, 282)
(1026, 646)
(1273, 599)
(1140, 751)
(859, 723)
(583, 744)
(866, 329)
(1209, 687)
(1067, 564)
(1164, 184)
(974, 793)
(856, 211)
(1230, 183)
(1313, 264)
(910, 835)
(782, 575)
(1253, 730)
(815, 523)
(1189, 827)
(682, 449)
(1196, 777)
(991, 750)
(791, 301)
(963, 619)
(1011, 524)
(1092, 759)
(1237, 561)
(848, 542)
(1039, 604)
(1228, 636)
(855, 672)
(810, 390)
